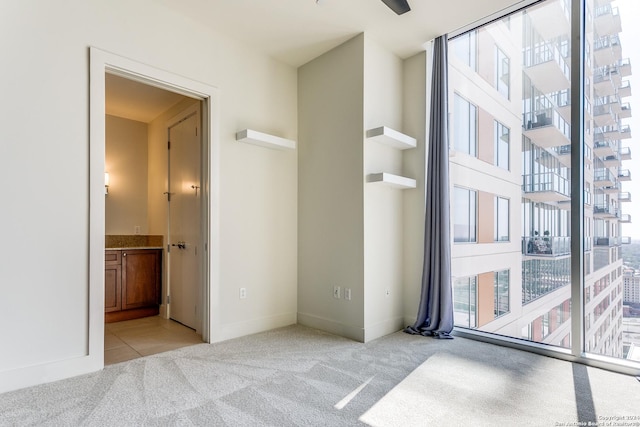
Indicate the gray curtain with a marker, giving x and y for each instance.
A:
(435, 312)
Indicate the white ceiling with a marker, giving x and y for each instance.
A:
(296, 31)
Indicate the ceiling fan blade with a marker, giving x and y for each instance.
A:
(398, 6)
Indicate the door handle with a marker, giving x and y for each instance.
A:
(180, 245)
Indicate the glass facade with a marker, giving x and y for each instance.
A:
(511, 111)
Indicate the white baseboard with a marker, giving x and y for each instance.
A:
(252, 326)
(48, 372)
(331, 326)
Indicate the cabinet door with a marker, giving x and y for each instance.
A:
(112, 288)
(140, 278)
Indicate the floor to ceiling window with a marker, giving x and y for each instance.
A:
(511, 134)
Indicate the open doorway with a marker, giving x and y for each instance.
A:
(154, 225)
(103, 63)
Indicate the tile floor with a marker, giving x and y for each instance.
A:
(142, 337)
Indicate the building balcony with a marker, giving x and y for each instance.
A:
(603, 115)
(563, 154)
(547, 68)
(625, 240)
(625, 153)
(611, 161)
(603, 148)
(624, 89)
(624, 175)
(612, 101)
(553, 20)
(612, 189)
(604, 85)
(546, 246)
(562, 100)
(604, 210)
(625, 218)
(614, 132)
(607, 50)
(625, 111)
(624, 65)
(625, 132)
(546, 187)
(546, 128)
(625, 196)
(606, 241)
(607, 20)
(587, 199)
(603, 178)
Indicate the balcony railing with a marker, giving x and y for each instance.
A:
(612, 189)
(625, 153)
(625, 88)
(625, 67)
(625, 240)
(547, 117)
(562, 98)
(605, 10)
(603, 175)
(625, 196)
(546, 246)
(624, 175)
(606, 41)
(606, 210)
(611, 160)
(625, 218)
(588, 243)
(606, 241)
(545, 182)
(625, 110)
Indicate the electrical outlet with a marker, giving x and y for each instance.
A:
(243, 293)
(347, 294)
(336, 292)
(136, 229)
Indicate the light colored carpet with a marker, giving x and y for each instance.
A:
(297, 376)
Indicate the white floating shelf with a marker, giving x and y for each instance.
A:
(265, 140)
(395, 181)
(392, 138)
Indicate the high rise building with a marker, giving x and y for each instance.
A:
(510, 98)
(631, 280)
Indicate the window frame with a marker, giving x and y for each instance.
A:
(473, 238)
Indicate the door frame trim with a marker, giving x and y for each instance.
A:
(102, 62)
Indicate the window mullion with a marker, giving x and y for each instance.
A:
(577, 176)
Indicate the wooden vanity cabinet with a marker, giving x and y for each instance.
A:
(132, 283)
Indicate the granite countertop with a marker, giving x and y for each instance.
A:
(135, 241)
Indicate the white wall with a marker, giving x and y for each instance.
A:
(44, 164)
(352, 234)
(126, 162)
(415, 121)
(330, 211)
(383, 206)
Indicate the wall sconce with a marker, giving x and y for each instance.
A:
(106, 183)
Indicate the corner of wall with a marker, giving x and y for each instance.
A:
(416, 111)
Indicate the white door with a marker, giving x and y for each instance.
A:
(185, 276)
